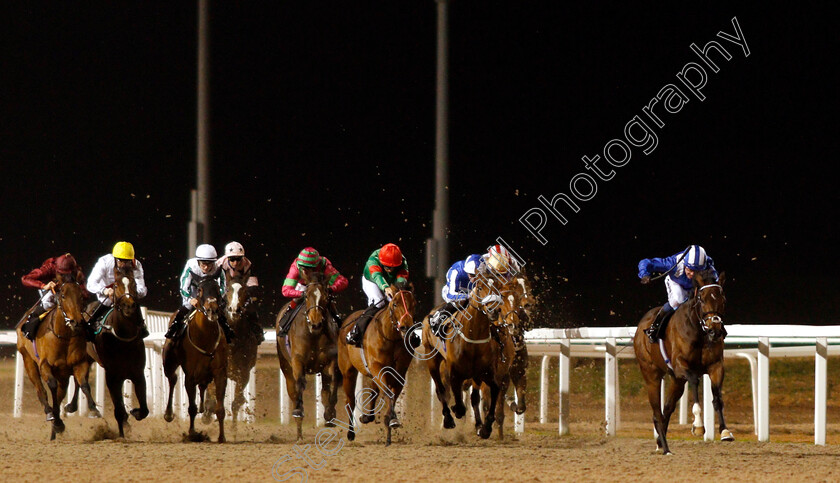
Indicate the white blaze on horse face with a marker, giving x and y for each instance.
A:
(125, 282)
(510, 299)
(234, 301)
(522, 284)
(317, 297)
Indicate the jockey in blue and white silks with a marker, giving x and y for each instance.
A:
(459, 281)
(680, 270)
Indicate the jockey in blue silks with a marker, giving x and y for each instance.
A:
(680, 270)
(459, 281)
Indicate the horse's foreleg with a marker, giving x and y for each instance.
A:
(500, 407)
(202, 389)
(192, 409)
(716, 373)
(299, 375)
(115, 385)
(456, 383)
(82, 372)
(442, 395)
(490, 416)
(220, 379)
(349, 385)
(390, 420)
(170, 367)
(34, 375)
(475, 402)
(327, 395)
(139, 382)
(697, 425)
(73, 405)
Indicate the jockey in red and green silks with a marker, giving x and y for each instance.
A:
(309, 261)
(385, 267)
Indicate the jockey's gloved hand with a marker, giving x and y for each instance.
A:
(646, 280)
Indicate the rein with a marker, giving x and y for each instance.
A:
(706, 318)
(67, 320)
(396, 323)
(212, 351)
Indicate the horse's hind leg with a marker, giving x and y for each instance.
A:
(349, 385)
(170, 367)
(115, 385)
(500, 408)
(697, 426)
(220, 380)
(456, 383)
(192, 409)
(329, 395)
(490, 416)
(441, 392)
(716, 375)
(73, 405)
(82, 372)
(475, 402)
(654, 396)
(34, 375)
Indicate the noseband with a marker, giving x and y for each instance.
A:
(710, 317)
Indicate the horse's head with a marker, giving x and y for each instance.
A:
(401, 308)
(710, 303)
(487, 298)
(209, 295)
(70, 299)
(527, 301)
(317, 299)
(236, 297)
(510, 314)
(125, 291)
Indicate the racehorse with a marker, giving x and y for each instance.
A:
(309, 348)
(120, 349)
(510, 335)
(243, 349)
(464, 353)
(384, 356)
(692, 346)
(519, 367)
(202, 354)
(58, 351)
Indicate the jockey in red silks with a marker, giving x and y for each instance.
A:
(307, 262)
(45, 279)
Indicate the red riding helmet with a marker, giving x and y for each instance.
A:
(390, 255)
(65, 264)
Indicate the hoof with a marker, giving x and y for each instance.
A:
(459, 411)
(94, 413)
(394, 423)
(351, 435)
(168, 417)
(726, 435)
(484, 432)
(70, 408)
(519, 410)
(448, 422)
(297, 413)
(366, 418)
(329, 424)
(222, 439)
(58, 426)
(50, 417)
(667, 453)
(698, 430)
(138, 414)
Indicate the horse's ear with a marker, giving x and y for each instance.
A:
(722, 278)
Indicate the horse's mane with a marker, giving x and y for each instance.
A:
(404, 285)
(317, 277)
(706, 276)
(210, 288)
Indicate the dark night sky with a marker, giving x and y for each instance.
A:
(323, 134)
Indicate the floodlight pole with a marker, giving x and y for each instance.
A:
(199, 225)
(438, 246)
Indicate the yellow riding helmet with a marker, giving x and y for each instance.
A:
(123, 250)
(498, 264)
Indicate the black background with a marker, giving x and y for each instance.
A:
(323, 135)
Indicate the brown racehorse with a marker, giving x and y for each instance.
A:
(693, 341)
(202, 354)
(309, 348)
(465, 353)
(384, 356)
(58, 351)
(527, 304)
(243, 349)
(508, 328)
(120, 347)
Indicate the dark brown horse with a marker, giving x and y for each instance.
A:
(692, 346)
(519, 367)
(309, 348)
(243, 349)
(508, 328)
(384, 356)
(202, 354)
(58, 351)
(465, 352)
(120, 347)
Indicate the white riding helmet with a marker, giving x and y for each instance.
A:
(206, 253)
(695, 258)
(234, 249)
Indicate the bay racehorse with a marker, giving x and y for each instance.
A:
(119, 347)
(692, 346)
(309, 348)
(58, 351)
(509, 335)
(464, 352)
(242, 352)
(202, 354)
(384, 357)
(519, 367)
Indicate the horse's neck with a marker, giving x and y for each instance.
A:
(58, 323)
(474, 323)
(204, 327)
(689, 321)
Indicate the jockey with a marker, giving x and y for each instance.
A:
(460, 279)
(680, 269)
(384, 267)
(498, 262)
(52, 272)
(102, 280)
(198, 269)
(309, 261)
(236, 264)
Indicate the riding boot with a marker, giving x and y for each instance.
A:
(286, 319)
(144, 331)
(92, 326)
(444, 313)
(355, 336)
(655, 327)
(30, 327)
(334, 312)
(178, 325)
(223, 323)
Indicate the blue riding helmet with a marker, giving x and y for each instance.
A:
(695, 258)
(472, 263)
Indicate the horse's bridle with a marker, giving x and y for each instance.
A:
(709, 317)
(396, 323)
(67, 320)
(320, 308)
